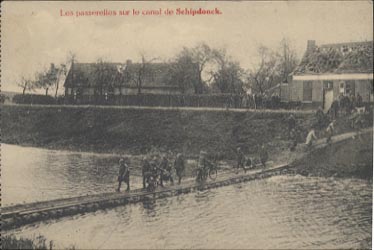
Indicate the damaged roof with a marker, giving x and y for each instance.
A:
(337, 59)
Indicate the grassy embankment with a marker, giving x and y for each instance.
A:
(137, 131)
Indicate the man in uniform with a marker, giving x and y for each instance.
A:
(123, 174)
(330, 131)
(145, 170)
(179, 166)
(241, 159)
(310, 138)
(293, 138)
(165, 171)
(291, 124)
(203, 164)
(320, 116)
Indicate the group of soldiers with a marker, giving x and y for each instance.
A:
(326, 123)
(153, 168)
(322, 122)
(345, 104)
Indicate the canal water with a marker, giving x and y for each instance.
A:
(33, 174)
(278, 212)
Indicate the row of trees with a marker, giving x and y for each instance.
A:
(207, 70)
(46, 79)
(224, 75)
(202, 69)
(274, 67)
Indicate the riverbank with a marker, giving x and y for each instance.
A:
(137, 131)
(352, 157)
(39, 242)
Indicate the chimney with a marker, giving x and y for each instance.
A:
(311, 45)
(128, 62)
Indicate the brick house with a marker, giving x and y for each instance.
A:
(107, 79)
(327, 71)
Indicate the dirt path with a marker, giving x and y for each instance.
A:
(202, 109)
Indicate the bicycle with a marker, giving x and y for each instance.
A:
(203, 173)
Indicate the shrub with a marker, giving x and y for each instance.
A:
(33, 99)
(12, 242)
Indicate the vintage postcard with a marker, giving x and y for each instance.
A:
(186, 124)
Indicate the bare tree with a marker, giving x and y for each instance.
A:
(62, 71)
(142, 72)
(100, 73)
(47, 79)
(264, 75)
(287, 59)
(26, 84)
(184, 73)
(200, 55)
(228, 78)
(274, 66)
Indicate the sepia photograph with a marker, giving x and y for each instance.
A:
(186, 124)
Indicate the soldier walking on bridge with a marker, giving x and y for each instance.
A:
(311, 137)
(179, 166)
(165, 171)
(241, 160)
(330, 131)
(123, 174)
(145, 170)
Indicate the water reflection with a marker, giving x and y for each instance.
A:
(278, 212)
(149, 208)
(32, 174)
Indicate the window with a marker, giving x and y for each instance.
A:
(327, 85)
(341, 88)
(350, 88)
(307, 91)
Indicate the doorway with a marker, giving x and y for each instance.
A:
(329, 98)
(328, 95)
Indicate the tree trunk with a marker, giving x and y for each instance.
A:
(57, 85)
(139, 89)
(139, 85)
(197, 90)
(46, 91)
(24, 90)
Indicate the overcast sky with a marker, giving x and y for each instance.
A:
(34, 34)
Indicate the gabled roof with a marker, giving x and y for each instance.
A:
(337, 59)
(119, 74)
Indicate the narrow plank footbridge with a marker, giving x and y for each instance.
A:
(23, 214)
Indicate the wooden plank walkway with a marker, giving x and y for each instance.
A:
(18, 215)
